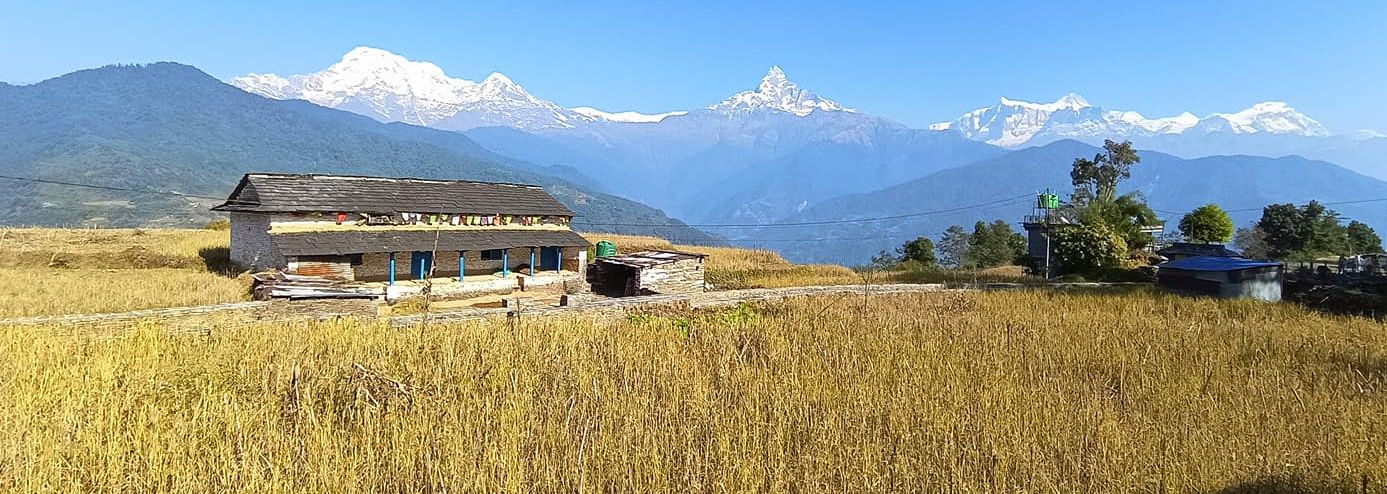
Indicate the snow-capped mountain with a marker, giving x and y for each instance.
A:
(1271, 117)
(625, 116)
(777, 92)
(391, 88)
(1012, 123)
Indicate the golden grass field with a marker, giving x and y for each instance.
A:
(50, 271)
(731, 268)
(945, 392)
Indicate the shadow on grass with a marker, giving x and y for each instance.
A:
(218, 260)
(1297, 484)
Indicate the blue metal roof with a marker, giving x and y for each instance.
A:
(1211, 263)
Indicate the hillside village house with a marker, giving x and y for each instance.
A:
(388, 229)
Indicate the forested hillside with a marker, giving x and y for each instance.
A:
(171, 128)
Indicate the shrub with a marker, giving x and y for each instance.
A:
(219, 224)
(1086, 249)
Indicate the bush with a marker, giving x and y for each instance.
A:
(219, 224)
(1086, 249)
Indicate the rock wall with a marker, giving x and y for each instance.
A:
(251, 247)
(684, 276)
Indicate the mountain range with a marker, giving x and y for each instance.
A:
(187, 138)
(849, 228)
(777, 148)
(1271, 128)
(753, 167)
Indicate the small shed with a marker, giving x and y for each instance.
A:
(648, 272)
(1223, 277)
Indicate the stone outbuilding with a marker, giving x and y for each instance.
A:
(648, 272)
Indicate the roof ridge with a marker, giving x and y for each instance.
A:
(381, 178)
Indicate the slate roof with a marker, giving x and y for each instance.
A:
(365, 241)
(1216, 263)
(648, 258)
(1185, 249)
(276, 192)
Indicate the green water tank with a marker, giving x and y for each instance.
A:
(606, 249)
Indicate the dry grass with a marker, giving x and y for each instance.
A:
(113, 248)
(45, 292)
(1001, 274)
(50, 271)
(997, 392)
(627, 244)
(731, 268)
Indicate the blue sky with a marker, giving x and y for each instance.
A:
(917, 63)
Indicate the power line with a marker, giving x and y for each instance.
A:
(824, 222)
(110, 188)
(1246, 210)
(691, 225)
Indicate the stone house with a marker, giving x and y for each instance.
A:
(359, 228)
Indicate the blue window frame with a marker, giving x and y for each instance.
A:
(492, 255)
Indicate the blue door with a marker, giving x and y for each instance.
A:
(549, 258)
(419, 264)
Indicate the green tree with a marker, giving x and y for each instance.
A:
(953, 247)
(1208, 223)
(920, 251)
(1284, 229)
(1126, 216)
(1308, 231)
(1086, 248)
(1097, 178)
(1327, 236)
(993, 245)
(1362, 239)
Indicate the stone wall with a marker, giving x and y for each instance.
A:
(684, 276)
(251, 247)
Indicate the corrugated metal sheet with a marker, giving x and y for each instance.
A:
(335, 267)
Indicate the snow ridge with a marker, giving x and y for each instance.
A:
(1013, 123)
(625, 116)
(776, 92)
(391, 88)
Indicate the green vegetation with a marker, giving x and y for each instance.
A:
(953, 247)
(1095, 180)
(1310, 231)
(219, 224)
(993, 245)
(915, 393)
(1208, 223)
(990, 245)
(1086, 249)
(912, 256)
(1110, 230)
